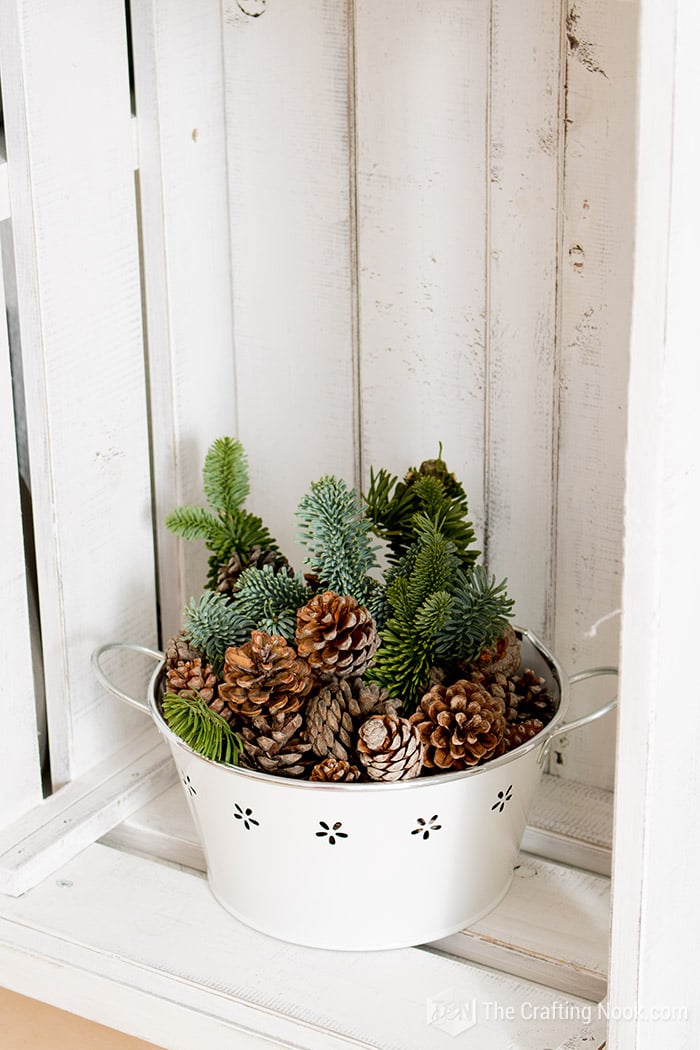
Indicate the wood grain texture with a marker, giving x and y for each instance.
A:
(525, 136)
(19, 751)
(656, 923)
(288, 141)
(421, 90)
(67, 117)
(595, 310)
(183, 197)
(104, 917)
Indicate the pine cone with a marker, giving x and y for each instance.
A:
(272, 742)
(336, 635)
(187, 669)
(501, 688)
(228, 573)
(503, 655)
(459, 725)
(520, 732)
(533, 698)
(389, 748)
(265, 674)
(334, 711)
(333, 770)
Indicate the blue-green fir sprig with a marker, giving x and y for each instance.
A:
(336, 534)
(480, 613)
(270, 600)
(212, 624)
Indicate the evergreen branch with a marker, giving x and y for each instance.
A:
(192, 523)
(433, 614)
(270, 600)
(480, 614)
(202, 729)
(225, 475)
(212, 624)
(334, 530)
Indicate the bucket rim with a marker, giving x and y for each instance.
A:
(537, 742)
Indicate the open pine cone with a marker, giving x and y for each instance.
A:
(460, 725)
(335, 710)
(334, 771)
(389, 748)
(336, 635)
(273, 743)
(503, 655)
(185, 668)
(265, 674)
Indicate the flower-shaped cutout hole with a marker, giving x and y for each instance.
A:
(246, 815)
(189, 786)
(503, 797)
(426, 826)
(331, 834)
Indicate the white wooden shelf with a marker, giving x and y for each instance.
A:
(145, 948)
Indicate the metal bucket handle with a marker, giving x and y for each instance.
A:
(582, 676)
(106, 682)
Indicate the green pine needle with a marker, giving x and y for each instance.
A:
(225, 475)
(335, 532)
(192, 523)
(270, 600)
(212, 624)
(202, 729)
(480, 613)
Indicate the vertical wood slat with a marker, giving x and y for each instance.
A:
(596, 295)
(288, 138)
(522, 252)
(656, 921)
(67, 115)
(421, 87)
(19, 751)
(182, 179)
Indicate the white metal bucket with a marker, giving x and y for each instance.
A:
(364, 866)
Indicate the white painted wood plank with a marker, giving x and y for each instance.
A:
(127, 927)
(571, 823)
(552, 927)
(595, 309)
(288, 139)
(57, 829)
(656, 922)
(183, 195)
(421, 88)
(67, 122)
(19, 750)
(524, 130)
(4, 190)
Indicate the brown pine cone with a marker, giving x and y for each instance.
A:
(501, 688)
(389, 748)
(533, 698)
(503, 655)
(335, 710)
(186, 668)
(336, 635)
(265, 674)
(272, 742)
(519, 733)
(228, 573)
(333, 770)
(179, 650)
(460, 725)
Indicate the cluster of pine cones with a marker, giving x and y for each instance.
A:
(305, 711)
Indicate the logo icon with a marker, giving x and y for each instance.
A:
(450, 1013)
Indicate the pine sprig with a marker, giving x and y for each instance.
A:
(202, 729)
(212, 624)
(270, 600)
(429, 489)
(228, 528)
(480, 613)
(420, 601)
(225, 475)
(335, 532)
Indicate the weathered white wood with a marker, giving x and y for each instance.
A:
(552, 927)
(288, 139)
(57, 829)
(19, 751)
(593, 361)
(4, 190)
(656, 922)
(421, 89)
(111, 927)
(67, 121)
(183, 196)
(524, 154)
(571, 823)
